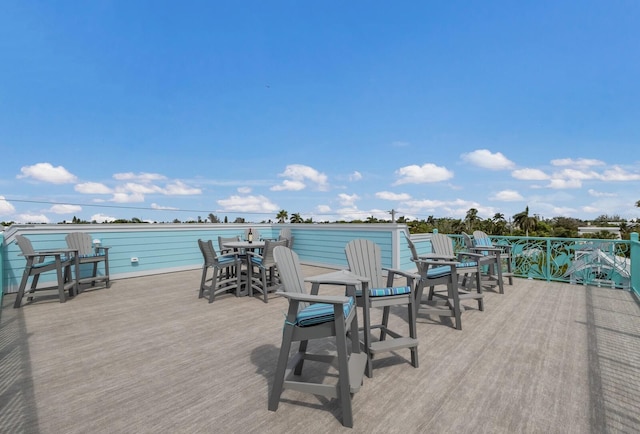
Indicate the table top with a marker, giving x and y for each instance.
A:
(341, 277)
(244, 245)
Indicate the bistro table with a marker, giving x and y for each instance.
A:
(241, 247)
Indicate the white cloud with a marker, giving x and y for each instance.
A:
(323, 209)
(617, 173)
(156, 206)
(258, 204)
(580, 162)
(297, 174)
(529, 174)
(47, 173)
(127, 198)
(244, 190)
(387, 195)
(507, 196)
(576, 174)
(595, 193)
(65, 209)
(101, 218)
(133, 187)
(32, 218)
(426, 173)
(487, 160)
(92, 188)
(142, 177)
(6, 208)
(347, 200)
(355, 176)
(565, 183)
(289, 186)
(179, 188)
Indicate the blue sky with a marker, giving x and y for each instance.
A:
(331, 109)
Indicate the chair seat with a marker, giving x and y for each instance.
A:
(321, 312)
(385, 292)
(442, 270)
(92, 255)
(49, 262)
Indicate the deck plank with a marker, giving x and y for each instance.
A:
(148, 356)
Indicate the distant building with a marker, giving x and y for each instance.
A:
(584, 230)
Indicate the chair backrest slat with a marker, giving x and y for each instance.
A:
(25, 245)
(442, 245)
(364, 259)
(290, 271)
(208, 252)
(80, 241)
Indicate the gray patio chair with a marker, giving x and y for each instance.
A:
(90, 254)
(221, 281)
(41, 262)
(437, 272)
(497, 253)
(285, 234)
(468, 264)
(310, 317)
(262, 272)
(364, 259)
(230, 271)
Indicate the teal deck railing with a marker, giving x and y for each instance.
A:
(572, 260)
(166, 248)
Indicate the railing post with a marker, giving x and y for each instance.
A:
(2, 284)
(635, 262)
(547, 268)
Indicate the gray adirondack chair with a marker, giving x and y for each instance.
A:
(285, 234)
(468, 264)
(90, 254)
(364, 259)
(222, 279)
(495, 254)
(41, 262)
(437, 272)
(310, 317)
(262, 272)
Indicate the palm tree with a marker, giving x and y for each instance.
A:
(471, 219)
(525, 222)
(282, 216)
(296, 218)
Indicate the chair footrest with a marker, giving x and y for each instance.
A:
(357, 364)
(393, 344)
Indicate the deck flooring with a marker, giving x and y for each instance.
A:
(148, 356)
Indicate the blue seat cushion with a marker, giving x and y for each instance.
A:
(384, 292)
(91, 255)
(467, 264)
(319, 313)
(256, 260)
(226, 261)
(48, 262)
(438, 271)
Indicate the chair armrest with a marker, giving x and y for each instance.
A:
(330, 299)
(403, 273)
(470, 255)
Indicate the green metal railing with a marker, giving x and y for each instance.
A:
(635, 263)
(573, 260)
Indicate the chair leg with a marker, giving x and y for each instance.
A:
(214, 283)
(411, 316)
(302, 350)
(23, 285)
(106, 270)
(281, 368)
(60, 278)
(366, 319)
(385, 322)
(203, 281)
(344, 386)
(95, 273)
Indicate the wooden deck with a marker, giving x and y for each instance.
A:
(147, 356)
